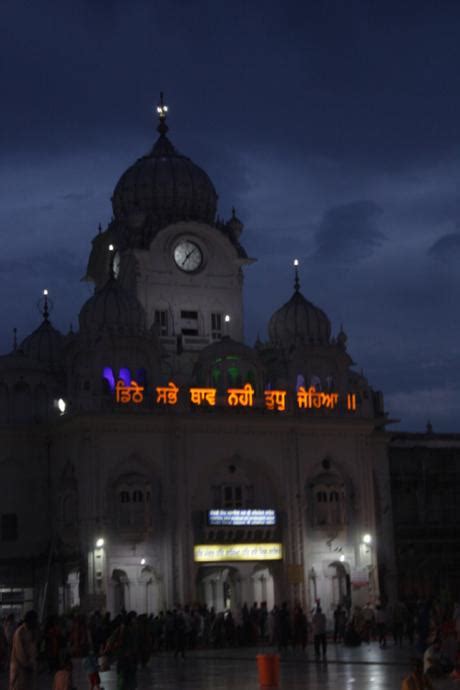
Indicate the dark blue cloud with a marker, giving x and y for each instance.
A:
(447, 248)
(349, 233)
(296, 110)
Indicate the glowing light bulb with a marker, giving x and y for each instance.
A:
(367, 539)
(296, 262)
(227, 318)
(111, 247)
(342, 558)
(61, 403)
(143, 561)
(99, 543)
(45, 292)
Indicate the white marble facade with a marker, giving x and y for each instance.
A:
(141, 477)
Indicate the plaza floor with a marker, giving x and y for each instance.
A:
(346, 669)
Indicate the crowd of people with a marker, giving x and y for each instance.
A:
(129, 640)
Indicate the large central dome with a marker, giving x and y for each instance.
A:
(164, 187)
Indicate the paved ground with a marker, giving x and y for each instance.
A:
(346, 669)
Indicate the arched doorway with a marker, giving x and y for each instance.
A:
(150, 599)
(340, 585)
(219, 587)
(120, 583)
(263, 586)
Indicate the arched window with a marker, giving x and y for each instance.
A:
(315, 382)
(327, 501)
(321, 508)
(300, 381)
(236, 496)
(233, 376)
(133, 510)
(336, 507)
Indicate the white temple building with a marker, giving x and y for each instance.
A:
(151, 457)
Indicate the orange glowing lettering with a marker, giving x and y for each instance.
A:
(304, 398)
(241, 396)
(167, 395)
(312, 398)
(126, 394)
(330, 400)
(351, 401)
(275, 400)
(199, 395)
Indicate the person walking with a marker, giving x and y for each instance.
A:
(180, 633)
(381, 624)
(340, 620)
(300, 628)
(23, 662)
(319, 633)
(123, 644)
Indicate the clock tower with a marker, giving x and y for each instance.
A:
(166, 245)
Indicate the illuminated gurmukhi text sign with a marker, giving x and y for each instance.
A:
(238, 517)
(214, 553)
(308, 399)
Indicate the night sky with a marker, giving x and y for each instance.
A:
(332, 127)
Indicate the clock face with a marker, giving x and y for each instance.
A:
(188, 256)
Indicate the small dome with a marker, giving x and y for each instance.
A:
(228, 363)
(227, 347)
(299, 320)
(112, 308)
(44, 344)
(234, 225)
(165, 187)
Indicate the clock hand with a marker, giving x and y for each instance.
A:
(188, 255)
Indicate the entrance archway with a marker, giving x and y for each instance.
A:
(340, 585)
(150, 599)
(219, 587)
(120, 582)
(263, 586)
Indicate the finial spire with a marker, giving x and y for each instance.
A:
(162, 110)
(45, 306)
(46, 310)
(296, 275)
(15, 339)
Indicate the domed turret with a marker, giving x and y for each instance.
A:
(164, 187)
(228, 363)
(45, 343)
(227, 347)
(234, 226)
(112, 308)
(299, 321)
